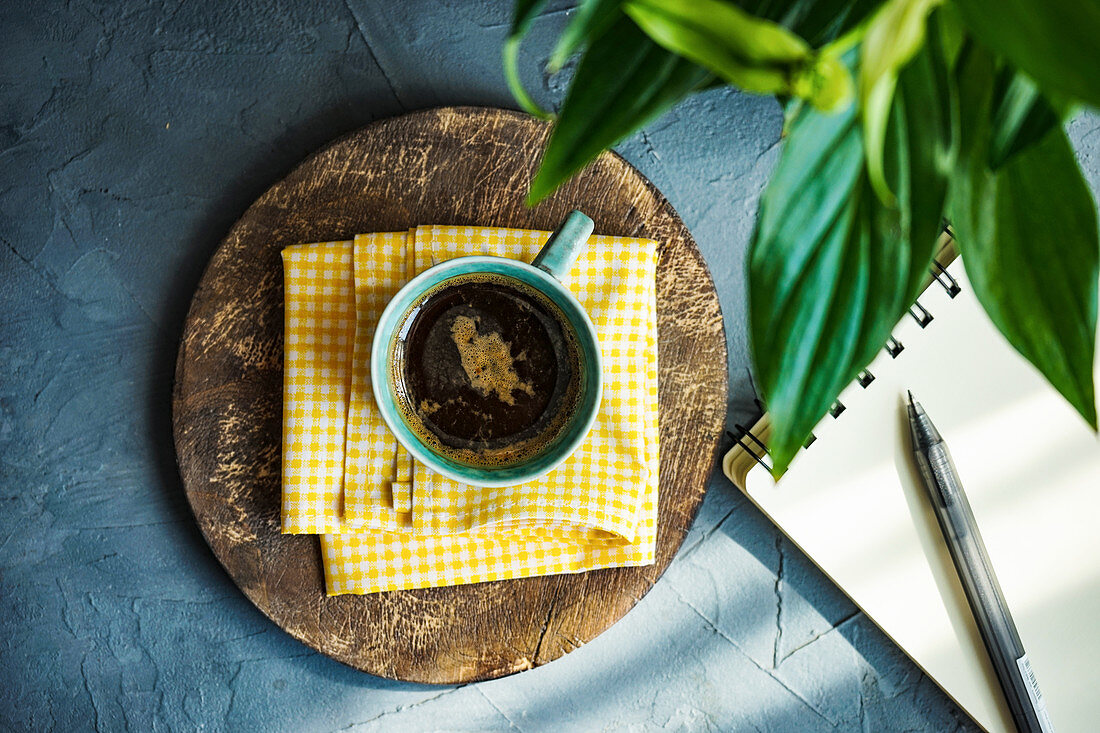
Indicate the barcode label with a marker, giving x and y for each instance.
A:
(1036, 696)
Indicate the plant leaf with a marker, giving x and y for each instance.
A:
(728, 46)
(593, 17)
(727, 27)
(817, 21)
(1021, 116)
(825, 83)
(952, 34)
(895, 34)
(623, 81)
(523, 14)
(1027, 233)
(821, 21)
(921, 153)
(754, 54)
(831, 269)
(1052, 41)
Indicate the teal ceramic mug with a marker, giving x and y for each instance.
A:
(390, 360)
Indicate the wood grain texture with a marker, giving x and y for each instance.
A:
(444, 166)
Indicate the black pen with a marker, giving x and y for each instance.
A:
(968, 552)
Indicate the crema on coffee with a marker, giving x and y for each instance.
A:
(486, 370)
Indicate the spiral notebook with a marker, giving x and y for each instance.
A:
(853, 502)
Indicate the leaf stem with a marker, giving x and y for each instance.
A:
(515, 84)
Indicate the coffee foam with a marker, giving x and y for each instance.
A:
(488, 361)
(482, 456)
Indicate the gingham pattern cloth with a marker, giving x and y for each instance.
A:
(377, 469)
(599, 487)
(599, 509)
(318, 331)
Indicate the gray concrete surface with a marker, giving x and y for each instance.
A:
(132, 134)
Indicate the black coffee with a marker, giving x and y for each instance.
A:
(486, 370)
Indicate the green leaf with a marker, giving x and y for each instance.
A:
(1028, 237)
(754, 54)
(976, 73)
(1027, 233)
(825, 83)
(1055, 42)
(728, 29)
(1022, 116)
(921, 153)
(952, 34)
(593, 17)
(831, 269)
(821, 21)
(817, 21)
(623, 81)
(523, 14)
(725, 46)
(894, 35)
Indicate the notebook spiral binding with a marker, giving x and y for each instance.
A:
(755, 447)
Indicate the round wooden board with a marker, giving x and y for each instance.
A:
(457, 165)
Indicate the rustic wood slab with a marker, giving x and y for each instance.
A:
(445, 166)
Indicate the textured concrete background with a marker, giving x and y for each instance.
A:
(132, 134)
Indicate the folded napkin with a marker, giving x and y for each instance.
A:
(389, 523)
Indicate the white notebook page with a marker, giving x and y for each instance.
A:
(1031, 468)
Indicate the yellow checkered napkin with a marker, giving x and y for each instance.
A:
(599, 509)
(377, 469)
(318, 332)
(600, 486)
(327, 401)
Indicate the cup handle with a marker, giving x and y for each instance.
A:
(563, 246)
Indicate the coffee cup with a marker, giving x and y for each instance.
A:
(487, 369)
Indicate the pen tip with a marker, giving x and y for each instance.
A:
(910, 396)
